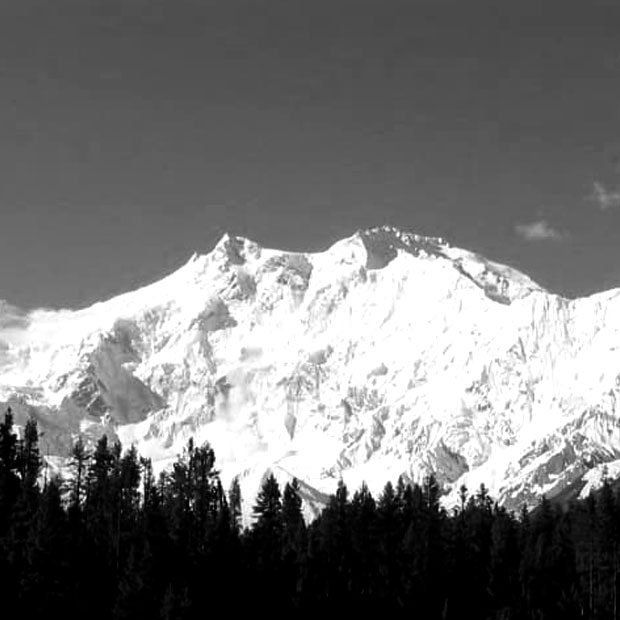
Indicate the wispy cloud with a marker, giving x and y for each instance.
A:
(606, 198)
(19, 328)
(539, 230)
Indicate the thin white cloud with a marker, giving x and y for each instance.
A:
(11, 316)
(13, 324)
(605, 198)
(540, 230)
(19, 328)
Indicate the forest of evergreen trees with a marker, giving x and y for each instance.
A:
(113, 541)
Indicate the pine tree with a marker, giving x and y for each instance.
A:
(548, 565)
(432, 557)
(234, 504)
(268, 511)
(78, 466)
(155, 543)
(609, 542)
(175, 491)
(268, 507)
(294, 540)
(365, 548)
(292, 518)
(389, 525)
(29, 458)
(205, 497)
(334, 531)
(99, 493)
(101, 522)
(504, 563)
(9, 480)
(45, 587)
(266, 540)
(130, 475)
(23, 515)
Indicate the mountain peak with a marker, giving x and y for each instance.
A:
(236, 250)
(501, 283)
(398, 235)
(384, 242)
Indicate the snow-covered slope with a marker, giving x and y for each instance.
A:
(387, 354)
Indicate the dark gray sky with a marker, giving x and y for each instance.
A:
(134, 132)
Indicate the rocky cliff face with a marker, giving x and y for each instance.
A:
(387, 354)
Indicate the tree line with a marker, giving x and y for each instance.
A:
(113, 541)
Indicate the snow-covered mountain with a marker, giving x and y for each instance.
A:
(389, 353)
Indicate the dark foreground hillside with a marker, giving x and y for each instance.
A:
(113, 541)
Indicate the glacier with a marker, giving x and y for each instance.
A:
(388, 354)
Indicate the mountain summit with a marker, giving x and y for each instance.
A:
(387, 354)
